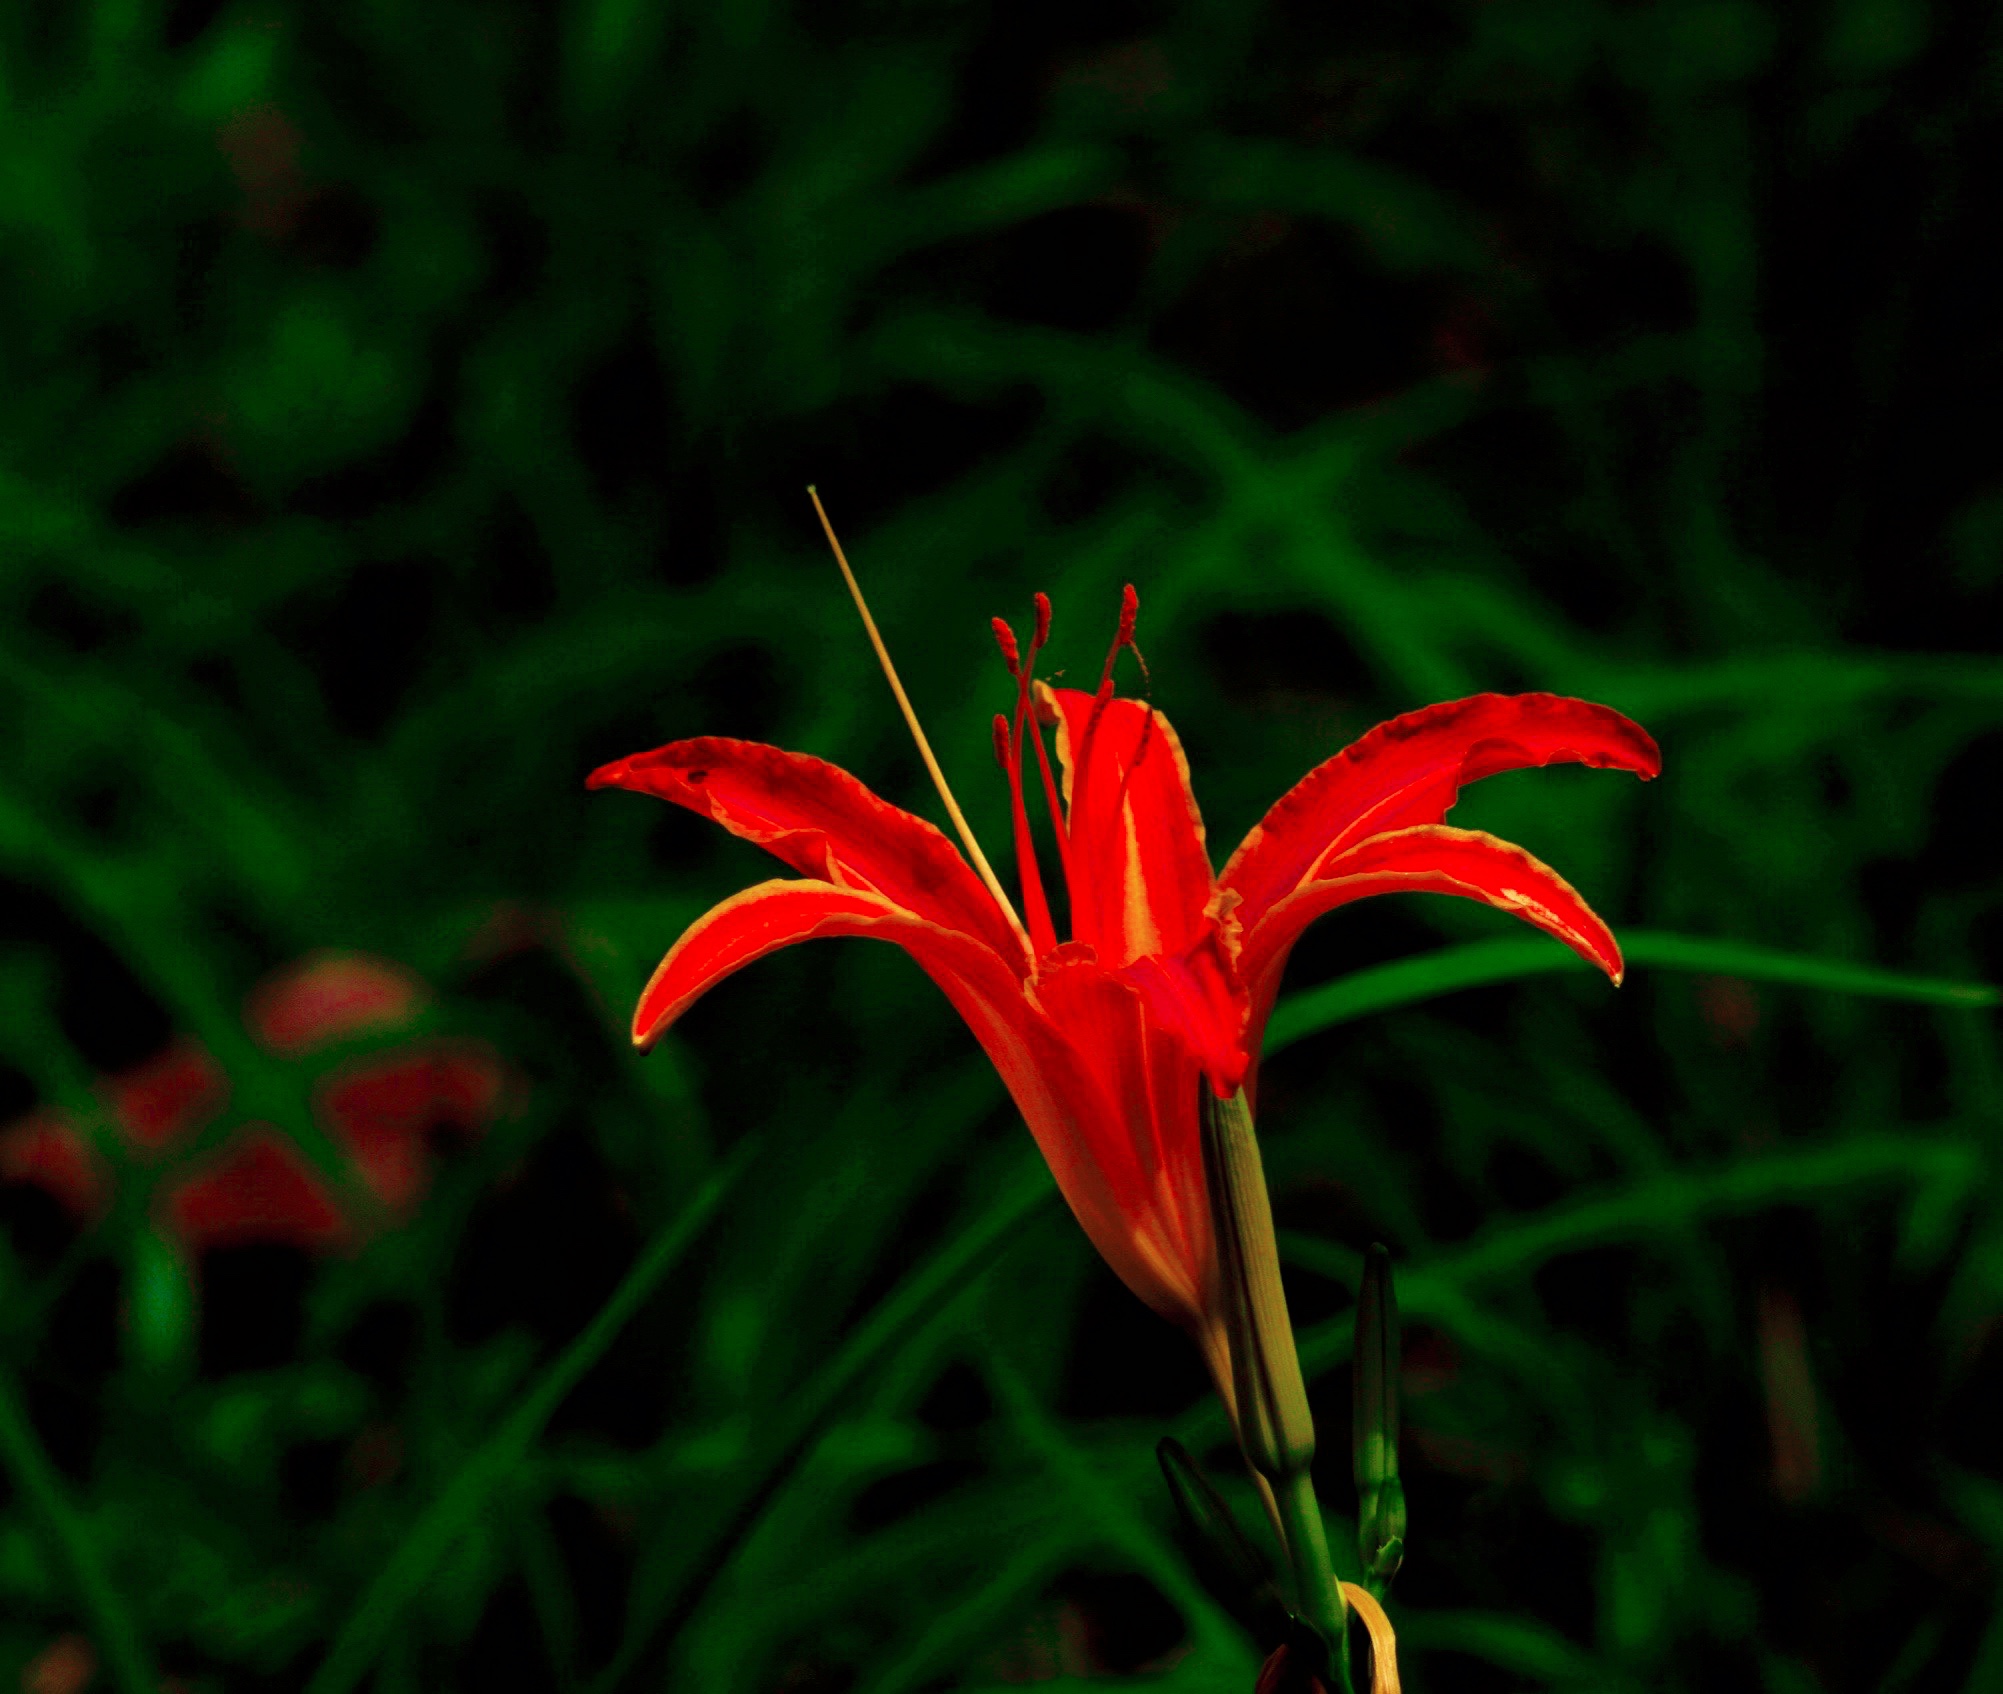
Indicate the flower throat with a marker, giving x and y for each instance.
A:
(1009, 737)
(1009, 734)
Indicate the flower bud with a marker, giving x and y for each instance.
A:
(1274, 1426)
(1379, 1356)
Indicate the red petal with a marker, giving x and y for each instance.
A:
(384, 1112)
(1130, 1162)
(1084, 1072)
(822, 822)
(170, 1095)
(1409, 771)
(762, 920)
(1140, 874)
(392, 1158)
(456, 1084)
(46, 1151)
(1431, 859)
(328, 997)
(262, 1190)
(1197, 998)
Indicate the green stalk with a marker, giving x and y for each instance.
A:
(1320, 1595)
(1275, 1429)
(1378, 1356)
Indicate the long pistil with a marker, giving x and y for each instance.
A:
(960, 824)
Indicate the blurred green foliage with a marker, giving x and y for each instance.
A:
(407, 408)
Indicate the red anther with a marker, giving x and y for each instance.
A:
(1042, 622)
(1005, 640)
(1130, 611)
(1004, 744)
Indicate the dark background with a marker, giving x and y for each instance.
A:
(406, 408)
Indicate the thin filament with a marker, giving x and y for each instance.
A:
(1036, 904)
(1058, 821)
(1059, 824)
(1140, 753)
(966, 833)
(1130, 606)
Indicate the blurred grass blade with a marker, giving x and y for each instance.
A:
(1107, 1512)
(701, 1557)
(1664, 950)
(1233, 1566)
(36, 1480)
(431, 1536)
(1663, 1201)
(1523, 1647)
(1478, 963)
(1442, 1290)
(1668, 1199)
(956, 1633)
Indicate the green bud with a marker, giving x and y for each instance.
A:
(1379, 1360)
(1274, 1426)
(1275, 1430)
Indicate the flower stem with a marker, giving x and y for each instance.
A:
(1316, 1590)
(1269, 1399)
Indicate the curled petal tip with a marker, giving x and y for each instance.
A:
(1648, 762)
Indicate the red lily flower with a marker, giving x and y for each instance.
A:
(1169, 974)
(258, 1187)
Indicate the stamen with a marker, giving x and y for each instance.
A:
(966, 833)
(1035, 904)
(1059, 822)
(1140, 752)
(1130, 609)
(1002, 748)
(1027, 710)
(1005, 640)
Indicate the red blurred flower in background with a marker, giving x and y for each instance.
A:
(256, 1186)
(1164, 986)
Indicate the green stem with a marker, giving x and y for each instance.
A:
(1315, 1588)
(111, 1625)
